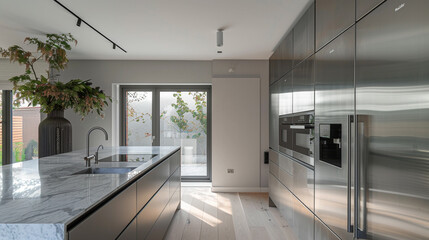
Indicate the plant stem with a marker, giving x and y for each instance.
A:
(34, 72)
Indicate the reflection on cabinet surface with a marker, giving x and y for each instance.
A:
(365, 6)
(300, 219)
(303, 43)
(332, 18)
(303, 86)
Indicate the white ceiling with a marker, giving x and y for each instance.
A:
(156, 29)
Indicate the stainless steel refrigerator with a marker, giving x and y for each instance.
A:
(372, 129)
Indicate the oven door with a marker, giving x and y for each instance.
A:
(285, 136)
(303, 142)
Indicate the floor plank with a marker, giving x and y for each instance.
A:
(226, 216)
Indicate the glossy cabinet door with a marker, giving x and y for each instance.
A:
(299, 217)
(109, 220)
(365, 6)
(130, 232)
(392, 90)
(274, 115)
(334, 104)
(303, 37)
(150, 213)
(303, 86)
(286, 94)
(161, 225)
(273, 68)
(332, 18)
(281, 62)
(149, 184)
(286, 54)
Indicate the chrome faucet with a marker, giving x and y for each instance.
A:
(88, 157)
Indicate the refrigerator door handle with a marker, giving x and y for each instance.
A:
(360, 210)
(350, 121)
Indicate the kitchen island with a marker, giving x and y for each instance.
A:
(50, 198)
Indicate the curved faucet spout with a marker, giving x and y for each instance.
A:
(89, 133)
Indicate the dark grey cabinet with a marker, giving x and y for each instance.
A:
(147, 204)
(303, 37)
(365, 6)
(303, 86)
(332, 18)
(110, 219)
(151, 182)
(161, 225)
(150, 213)
(130, 232)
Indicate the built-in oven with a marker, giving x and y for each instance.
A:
(303, 137)
(286, 135)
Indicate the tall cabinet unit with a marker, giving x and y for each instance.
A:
(291, 181)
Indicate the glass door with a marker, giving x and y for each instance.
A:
(183, 122)
(138, 113)
(170, 116)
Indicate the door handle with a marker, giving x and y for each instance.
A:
(360, 221)
(350, 121)
(301, 127)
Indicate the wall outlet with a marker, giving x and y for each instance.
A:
(230, 170)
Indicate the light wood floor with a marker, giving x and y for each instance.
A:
(225, 216)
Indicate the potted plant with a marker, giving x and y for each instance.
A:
(52, 95)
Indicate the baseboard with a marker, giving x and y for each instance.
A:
(239, 189)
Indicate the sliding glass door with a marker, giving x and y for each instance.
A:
(170, 116)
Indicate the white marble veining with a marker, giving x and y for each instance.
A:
(40, 197)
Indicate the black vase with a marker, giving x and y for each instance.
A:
(55, 134)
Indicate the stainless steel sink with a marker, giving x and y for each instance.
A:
(106, 170)
(128, 158)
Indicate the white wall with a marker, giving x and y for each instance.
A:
(105, 73)
(251, 69)
(236, 134)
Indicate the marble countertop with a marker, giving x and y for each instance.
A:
(44, 195)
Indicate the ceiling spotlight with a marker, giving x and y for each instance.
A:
(114, 46)
(219, 37)
(79, 22)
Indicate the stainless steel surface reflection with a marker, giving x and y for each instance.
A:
(274, 115)
(392, 104)
(334, 104)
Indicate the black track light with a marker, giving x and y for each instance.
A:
(80, 21)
